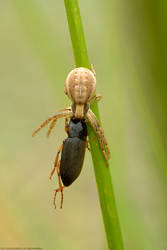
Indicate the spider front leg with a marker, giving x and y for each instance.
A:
(100, 133)
(63, 113)
(43, 125)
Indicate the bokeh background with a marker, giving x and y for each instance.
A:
(127, 43)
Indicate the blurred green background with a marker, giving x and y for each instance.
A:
(127, 43)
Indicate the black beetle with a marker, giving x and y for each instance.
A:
(72, 155)
(73, 151)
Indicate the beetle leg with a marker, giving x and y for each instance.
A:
(97, 128)
(54, 200)
(56, 161)
(60, 189)
(66, 126)
(87, 145)
(57, 166)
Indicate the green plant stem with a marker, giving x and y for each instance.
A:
(102, 172)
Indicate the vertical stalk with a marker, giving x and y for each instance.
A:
(102, 172)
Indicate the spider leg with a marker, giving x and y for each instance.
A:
(54, 122)
(52, 125)
(62, 113)
(99, 131)
(96, 98)
(43, 125)
(92, 69)
(60, 110)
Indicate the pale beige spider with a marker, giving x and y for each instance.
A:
(80, 87)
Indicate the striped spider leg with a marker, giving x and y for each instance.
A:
(100, 133)
(61, 113)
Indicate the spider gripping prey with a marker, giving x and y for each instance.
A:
(80, 87)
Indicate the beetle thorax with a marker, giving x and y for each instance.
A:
(80, 85)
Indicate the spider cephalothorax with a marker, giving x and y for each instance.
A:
(80, 86)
